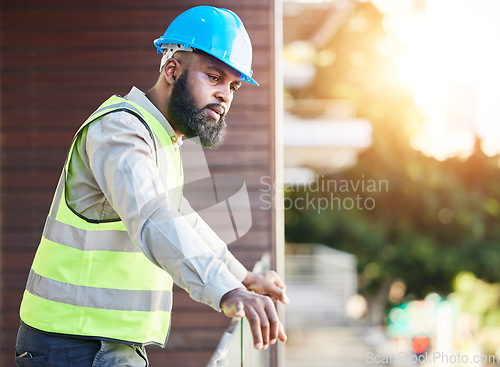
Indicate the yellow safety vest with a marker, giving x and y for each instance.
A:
(88, 278)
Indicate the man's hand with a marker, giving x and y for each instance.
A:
(261, 315)
(267, 283)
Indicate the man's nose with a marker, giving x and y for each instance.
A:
(224, 94)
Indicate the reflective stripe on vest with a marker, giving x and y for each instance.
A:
(88, 278)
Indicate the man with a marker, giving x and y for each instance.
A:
(119, 232)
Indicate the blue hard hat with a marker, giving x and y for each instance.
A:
(216, 31)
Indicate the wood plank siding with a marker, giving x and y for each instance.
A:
(60, 60)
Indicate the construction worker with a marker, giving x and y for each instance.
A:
(119, 232)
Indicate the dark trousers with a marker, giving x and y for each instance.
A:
(37, 349)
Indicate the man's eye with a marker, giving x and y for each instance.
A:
(214, 78)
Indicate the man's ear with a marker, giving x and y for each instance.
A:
(171, 70)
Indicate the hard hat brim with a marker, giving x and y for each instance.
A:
(161, 41)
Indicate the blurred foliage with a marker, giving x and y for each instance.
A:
(436, 219)
(479, 320)
(479, 298)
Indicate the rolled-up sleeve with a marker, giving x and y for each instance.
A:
(122, 159)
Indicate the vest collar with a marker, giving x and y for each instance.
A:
(137, 96)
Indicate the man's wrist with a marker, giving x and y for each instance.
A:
(229, 294)
(249, 279)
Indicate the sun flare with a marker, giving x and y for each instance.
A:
(448, 57)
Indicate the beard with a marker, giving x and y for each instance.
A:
(193, 122)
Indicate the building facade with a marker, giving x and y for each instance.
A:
(59, 61)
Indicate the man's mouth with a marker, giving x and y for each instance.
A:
(215, 111)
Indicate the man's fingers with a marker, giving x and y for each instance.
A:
(273, 277)
(269, 284)
(264, 328)
(239, 309)
(264, 323)
(281, 334)
(232, 305)
(261, 315)
(278, 294)
(269, 322)
(277, 290)
(254, 321)
(283, 297)
(274, 324)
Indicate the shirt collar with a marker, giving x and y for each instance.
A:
(137, 96)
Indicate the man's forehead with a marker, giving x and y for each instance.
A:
(211, 62)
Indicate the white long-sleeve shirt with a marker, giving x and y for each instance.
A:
(113, 174)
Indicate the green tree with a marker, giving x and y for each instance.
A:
(435, 219)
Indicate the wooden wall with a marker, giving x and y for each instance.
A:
(59, 61)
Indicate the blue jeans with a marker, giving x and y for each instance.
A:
(37, 349)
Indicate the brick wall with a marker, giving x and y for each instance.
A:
(59, 60)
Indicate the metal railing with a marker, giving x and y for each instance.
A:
(320, 276)
(236, 348)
